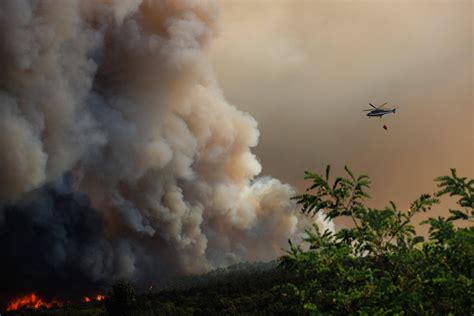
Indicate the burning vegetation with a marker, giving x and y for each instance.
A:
(97, 298)
(32, 301)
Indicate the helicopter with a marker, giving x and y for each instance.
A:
(378, 111)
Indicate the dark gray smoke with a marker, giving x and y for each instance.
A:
(120, 156)
(49, 239)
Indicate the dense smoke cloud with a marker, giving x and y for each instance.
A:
(120, 156)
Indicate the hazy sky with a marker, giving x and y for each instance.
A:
(306, 70)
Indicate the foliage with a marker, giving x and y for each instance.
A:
(380, 265)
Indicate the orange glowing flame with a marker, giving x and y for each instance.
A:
(98, 298)
(31, 301)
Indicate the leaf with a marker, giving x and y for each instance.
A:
(418, 239)
(394, 207)
(349, 172)
(328, 169)
(457, 215)
(336, 183)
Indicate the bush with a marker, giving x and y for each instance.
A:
(380, 265)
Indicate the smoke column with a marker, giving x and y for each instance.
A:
(120, 157)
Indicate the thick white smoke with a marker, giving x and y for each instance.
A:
(120, 95)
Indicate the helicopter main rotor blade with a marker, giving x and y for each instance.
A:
(381, 106)
(368, 110)
(372, 105)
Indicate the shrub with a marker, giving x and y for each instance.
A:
(380, 265)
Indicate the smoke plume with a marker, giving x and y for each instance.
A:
(121, 158)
